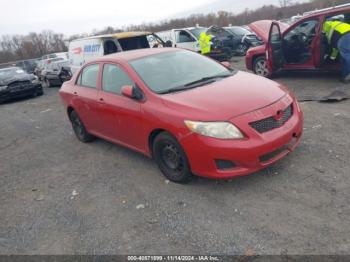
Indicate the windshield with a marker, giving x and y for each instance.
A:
(197, 31)
(8, 72)
(165, 71)
(239, 31)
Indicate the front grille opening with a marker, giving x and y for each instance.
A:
(224, 164)
(267, 157)
(269, 123)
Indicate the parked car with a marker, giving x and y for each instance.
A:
(188, 38)
(45, 62)
(52, 72)
(16, 83)
(300, 46)
(84, 50)
(243, 39)
(27, 65)
(63, 55)
(190, 113)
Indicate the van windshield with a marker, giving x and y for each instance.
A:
(197, 31)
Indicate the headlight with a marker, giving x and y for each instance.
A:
(221, 130)
(3, 88)
(35, 80)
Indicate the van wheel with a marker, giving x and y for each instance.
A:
(260, 67)
(79, 128)
(171, 158)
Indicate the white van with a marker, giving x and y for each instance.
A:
(84, 50)
(186, 38)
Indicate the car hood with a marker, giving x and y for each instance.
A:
(262, 28)
(226, 98)
(8, 80)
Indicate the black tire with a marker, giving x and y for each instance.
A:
(260, 67)
(242, 49)
(171, 158)
(79, 128)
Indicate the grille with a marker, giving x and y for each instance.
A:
(270, 123)
(19, 85)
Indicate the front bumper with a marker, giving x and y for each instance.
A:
(249, 155)
(14, 94)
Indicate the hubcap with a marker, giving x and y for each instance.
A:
(261, 68)
(171, 157)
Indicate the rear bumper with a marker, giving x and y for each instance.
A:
(249, 155)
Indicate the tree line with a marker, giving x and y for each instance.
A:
(34, 45)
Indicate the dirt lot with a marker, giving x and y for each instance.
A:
(59, 196)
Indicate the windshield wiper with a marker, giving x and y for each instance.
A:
(196, 83)
(205, 79)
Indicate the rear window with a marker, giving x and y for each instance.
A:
(88, 77)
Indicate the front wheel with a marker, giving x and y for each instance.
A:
(242, 49)
(260, 67)
(171, 158)
(79, 128)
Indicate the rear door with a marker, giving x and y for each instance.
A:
(274, 51)
(85, 97)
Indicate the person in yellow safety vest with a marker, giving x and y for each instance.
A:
(338, 36)
(205, 43)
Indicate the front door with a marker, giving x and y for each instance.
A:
(274, 51)
(120, 116)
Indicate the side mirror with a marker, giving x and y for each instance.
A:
(132, 92)
(226, 64)
(127, 91)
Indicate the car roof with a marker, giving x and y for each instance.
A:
(326, 11)
(117, 35)
(135, 54)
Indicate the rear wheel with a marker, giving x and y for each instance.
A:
(79, 128)
(171, 158)
(260, 67)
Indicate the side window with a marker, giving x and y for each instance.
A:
(275, 34)
(88, 77)
(184, 37)
(114, 78)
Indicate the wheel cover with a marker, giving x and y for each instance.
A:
(171, 157)
(261, 68)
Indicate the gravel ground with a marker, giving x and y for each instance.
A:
(59, 196)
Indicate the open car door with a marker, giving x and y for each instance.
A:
(274, 51)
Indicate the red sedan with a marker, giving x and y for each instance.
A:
(191, 114)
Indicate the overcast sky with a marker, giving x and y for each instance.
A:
(82, 16)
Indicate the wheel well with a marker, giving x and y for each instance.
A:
(256, 57)
(69, 110)
(152, 136)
